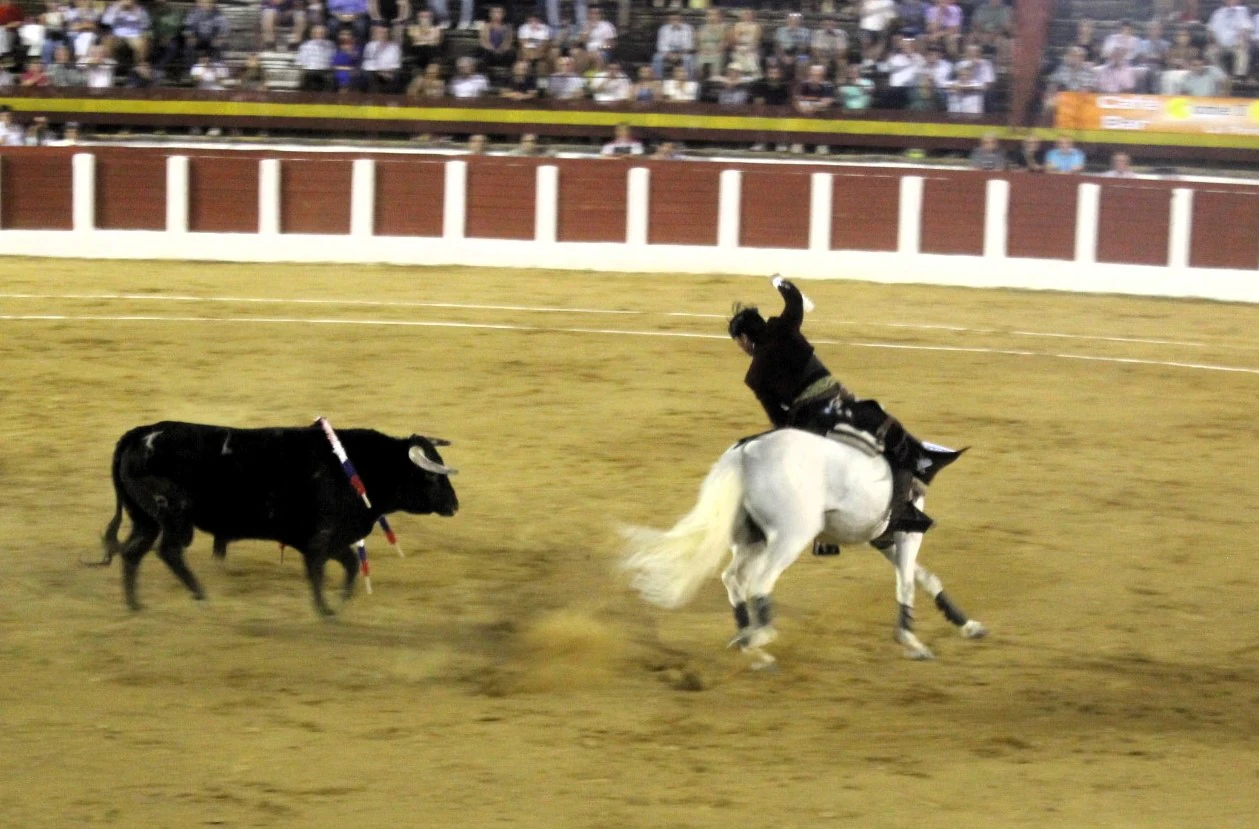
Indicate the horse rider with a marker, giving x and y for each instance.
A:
(798, 391)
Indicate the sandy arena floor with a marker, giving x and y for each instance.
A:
(500, 675)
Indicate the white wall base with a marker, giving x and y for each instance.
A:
(968, 271)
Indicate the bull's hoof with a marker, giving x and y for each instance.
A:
(134, 606)
(324, 611)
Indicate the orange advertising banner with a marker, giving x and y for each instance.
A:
(1157, 113)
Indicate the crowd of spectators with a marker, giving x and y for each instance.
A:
(1062, 158)
(1165, 56)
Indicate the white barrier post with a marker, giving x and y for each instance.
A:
(1180, 231)
(546, 204)
(177, 188)
(1, 192)
(996, 218)
(728, 207)
(269, 196)
(1087, 210)
(363, 197)
(455, 201)
(909, 224)
(637, 203)
(83, 189)
(821, 206)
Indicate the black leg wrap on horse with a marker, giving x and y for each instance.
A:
(742, 617)
(905, 618)
(763, 607)
(951, 611)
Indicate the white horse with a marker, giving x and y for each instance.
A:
(765, 500)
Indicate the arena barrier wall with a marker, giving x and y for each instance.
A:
(946, 227)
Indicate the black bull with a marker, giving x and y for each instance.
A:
(280, 484)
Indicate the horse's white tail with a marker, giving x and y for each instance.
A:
(669, 567)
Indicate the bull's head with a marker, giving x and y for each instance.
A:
(433, 491)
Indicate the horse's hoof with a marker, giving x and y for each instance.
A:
(974, 630)
(761, 661)
(739, 640)
(914, 648)
(760, 637)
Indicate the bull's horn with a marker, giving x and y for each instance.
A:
(417, 456)
(439, 441)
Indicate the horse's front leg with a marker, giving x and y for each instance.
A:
(929, 581)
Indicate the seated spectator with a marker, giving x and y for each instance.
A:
(980, 67)
(521, 86)
(1152, 57)
(476, 144)
(565, 84)
(730, 89)
(467, 82)
(747, 61)
(940, 70)
(253, 77)
(773, 89)
(1124, 39)
(856, 91)
(82, 19)
(911, 18)
(747, 33)
(315, 59)
(1231, 27)
(205, 31)
(1203, 81)
(53, 20)
(424, 39)
(713, 39)
(903, 69)
(7, 79)
(924, 95)
(1086, 40)
(1027, 156)
(429, 85)
(816, 94)
(1179, 58)
(598, 34)
(792, 44)
(129, 25)
(675, 46)
(98, 68)
(209, 72)
(346, 15)
(611, 86)
(965, 93)
(346, 62)
(382, 61)
(35, 74)
(1120, 167)
(529, 146)
(534, 37)
(168, 35)
(497, 46)
(1065, 157)
(646, 89)
(12, 133)
(623, 143)
(1072, 75)
(944, 26)
(876, 21)
(63, 72)
(988, 155)
(392, 14)
(992, 25)
(829, 44)
(282, 12)
(680, 88)
(1116, 75)
(666, 151)
(141, 76)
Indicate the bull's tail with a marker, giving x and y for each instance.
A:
(669, 567)
(109, 539)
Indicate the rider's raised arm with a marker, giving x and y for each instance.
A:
(793, 310)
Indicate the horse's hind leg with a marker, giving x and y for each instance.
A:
(744, 552)
(783, 546)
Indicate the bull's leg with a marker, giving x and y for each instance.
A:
(144, 532)
(220, 548)
(349, 560)
(176, 536)
(315, 559)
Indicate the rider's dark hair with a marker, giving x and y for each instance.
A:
(746, 321)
